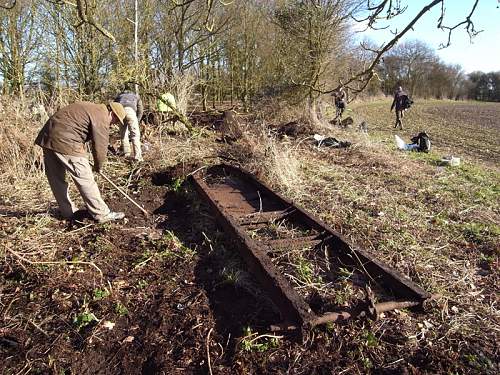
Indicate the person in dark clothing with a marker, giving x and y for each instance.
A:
(340, 98)
(398, 104)
(130, 128)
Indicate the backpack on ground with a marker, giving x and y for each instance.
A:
(423, 142)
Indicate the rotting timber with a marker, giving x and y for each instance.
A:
(267, 228)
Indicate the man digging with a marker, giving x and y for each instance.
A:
(63, 139)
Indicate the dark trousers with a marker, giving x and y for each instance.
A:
(399, 118)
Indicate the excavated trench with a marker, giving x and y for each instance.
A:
(310, 272)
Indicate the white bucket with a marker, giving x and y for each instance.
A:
(451, 161)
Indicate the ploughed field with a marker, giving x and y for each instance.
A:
(168, 294)
(468, 129)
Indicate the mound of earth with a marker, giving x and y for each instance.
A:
(294, 129)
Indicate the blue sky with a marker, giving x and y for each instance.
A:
(482, 54)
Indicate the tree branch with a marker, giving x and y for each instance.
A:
(358, 82)
(471, 30)
(85, 15)
(88, 17)
(367, 74)
(393, 10)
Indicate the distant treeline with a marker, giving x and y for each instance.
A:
(220, 51)
(484, 86)
(416, 66)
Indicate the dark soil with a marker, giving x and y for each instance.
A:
(293, 129)
(171, 305)
(163, 297)
(211, 120)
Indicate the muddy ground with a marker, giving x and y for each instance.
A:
(162, 304)
(168, 295)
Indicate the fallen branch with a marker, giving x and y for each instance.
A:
(264, 336)
(196, 170)
(208, 352)
(63, 262)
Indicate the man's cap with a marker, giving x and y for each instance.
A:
(118, 110)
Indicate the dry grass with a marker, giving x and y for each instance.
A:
(22, 179)
(439, 226)
(281, 166)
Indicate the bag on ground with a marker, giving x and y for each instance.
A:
(423, 142)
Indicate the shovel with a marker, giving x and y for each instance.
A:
(124, 194)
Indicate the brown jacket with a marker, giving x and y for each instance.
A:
(71, 127)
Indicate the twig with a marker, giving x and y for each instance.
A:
(8, 307)
(327, 259)
(227, 158)
(265, 335)
(208, 352)
(39, 328)
(143, 262)
(129, 180)
(363, 266)
(81, 228)
(302, 140)
(196, 170)
(31, 262)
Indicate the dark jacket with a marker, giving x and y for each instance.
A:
(131, 100)
(340, 98)
(398, 100)
(67, 131)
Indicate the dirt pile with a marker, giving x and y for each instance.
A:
(293, 129)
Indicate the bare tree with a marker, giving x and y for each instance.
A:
(83, 56)
(373, 12)
(408, 63)
(310, 34)
(417, 67)
(18, 40)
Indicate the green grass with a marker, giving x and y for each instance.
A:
(85, 316)
(176, 184)
(100, 294)
(251, 342)
(167, 247)
(305, 270)
(121, 309)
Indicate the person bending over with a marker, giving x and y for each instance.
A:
(132, 104)
(63, 139)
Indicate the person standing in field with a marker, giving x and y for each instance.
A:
(340, 98)
(130, 128)
(400, 103)
(63, 139)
